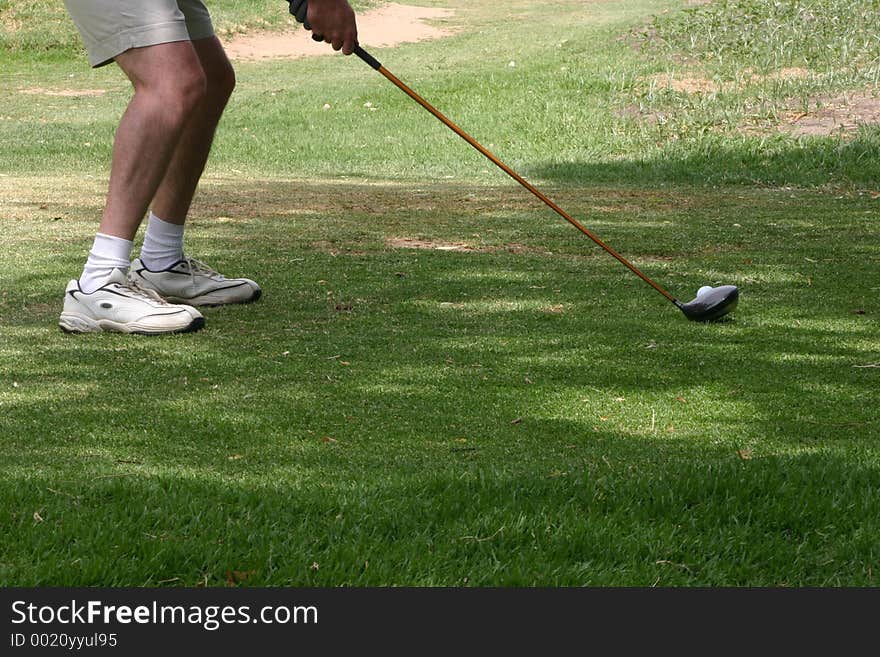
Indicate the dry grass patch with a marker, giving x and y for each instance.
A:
(65, 93)
(840, 115)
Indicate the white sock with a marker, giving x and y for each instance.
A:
(108, 253)
(163, 244)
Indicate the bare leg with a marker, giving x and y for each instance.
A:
(169, 84)
(175, 193)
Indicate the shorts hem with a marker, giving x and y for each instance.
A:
(106, 51)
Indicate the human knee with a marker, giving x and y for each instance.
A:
(189, 87)
(180, 92)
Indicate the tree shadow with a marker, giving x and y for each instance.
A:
(772, 160)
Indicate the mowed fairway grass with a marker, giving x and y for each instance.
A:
(445, 384)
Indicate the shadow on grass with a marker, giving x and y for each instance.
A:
(772, 160)
(494, 416)
(685, 519)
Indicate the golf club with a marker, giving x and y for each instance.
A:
(712, 304)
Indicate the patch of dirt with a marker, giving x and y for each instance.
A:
(333, 249)
(68, 93)
(388, 25)
(439, 245)
(794, 73)
(700, 85)
(838, 115)
(432, 245)
(687, 85)
(834, 116)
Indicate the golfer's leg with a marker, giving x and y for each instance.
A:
(175, 193)
(169, 84)
(162, 266)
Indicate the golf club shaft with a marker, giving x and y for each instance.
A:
(369, 59)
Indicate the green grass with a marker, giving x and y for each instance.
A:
(731, 69)
(521, 412)
(822, 35)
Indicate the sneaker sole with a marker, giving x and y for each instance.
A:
(71, 323)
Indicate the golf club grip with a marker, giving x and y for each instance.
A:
(374, 63)
(367, 57)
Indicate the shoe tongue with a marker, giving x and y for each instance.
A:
(118, 276)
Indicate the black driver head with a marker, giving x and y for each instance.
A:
(711, 305)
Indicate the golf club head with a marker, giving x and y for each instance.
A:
(711, 305)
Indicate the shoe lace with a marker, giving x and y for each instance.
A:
(136, 290)
(199, 268)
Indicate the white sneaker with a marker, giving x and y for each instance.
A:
(123, 307)
(195, 283)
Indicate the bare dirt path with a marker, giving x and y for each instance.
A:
(388, 25)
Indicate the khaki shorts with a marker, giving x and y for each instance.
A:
(110, 27)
